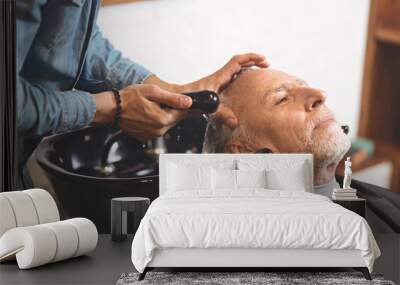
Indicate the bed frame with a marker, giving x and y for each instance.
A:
(246, 258)
(242, 259)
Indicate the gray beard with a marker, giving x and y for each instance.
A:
(328, 148)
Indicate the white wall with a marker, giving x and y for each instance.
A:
(322, 42)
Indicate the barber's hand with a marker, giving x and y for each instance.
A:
(220, 79)
(217, 82)
(142, 116)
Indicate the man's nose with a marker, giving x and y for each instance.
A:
(314, 98)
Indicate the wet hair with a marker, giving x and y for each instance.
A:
(217, 135)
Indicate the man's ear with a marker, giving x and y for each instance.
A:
(237, 146)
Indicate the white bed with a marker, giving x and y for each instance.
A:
(247, 226)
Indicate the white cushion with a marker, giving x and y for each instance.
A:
(45, 205)
(23, 208)
(67, 237)
(26, 208)
(295, 180)
(40, 244)
(251, 178)
(7, 218)
(87, 233)
(223, 179)
(281, 175)
(188, 177)
(34, 244)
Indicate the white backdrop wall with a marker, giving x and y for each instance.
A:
(322, 42)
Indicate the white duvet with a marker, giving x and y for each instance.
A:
(250, 219)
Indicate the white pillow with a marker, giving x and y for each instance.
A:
(293, 180)
(223, 179)
(188, 177)
(251, 179)
(281, 175)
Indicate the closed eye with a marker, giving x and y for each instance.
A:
(281, 100)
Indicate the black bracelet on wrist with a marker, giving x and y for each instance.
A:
(118, 109)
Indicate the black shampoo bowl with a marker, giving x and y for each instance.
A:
(90, 166)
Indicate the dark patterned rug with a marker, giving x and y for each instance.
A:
(243, 278)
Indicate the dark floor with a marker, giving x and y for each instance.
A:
(110, 260)
(389, 262)
(389, 243)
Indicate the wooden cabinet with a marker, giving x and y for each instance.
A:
(380, 102)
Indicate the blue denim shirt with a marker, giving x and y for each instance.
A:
(61, 58)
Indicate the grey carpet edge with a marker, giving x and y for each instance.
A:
(272, 278)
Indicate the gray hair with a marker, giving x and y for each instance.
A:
(217, 134)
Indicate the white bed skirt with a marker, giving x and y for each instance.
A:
(236, 257)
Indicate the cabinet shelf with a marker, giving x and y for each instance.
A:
(380, 99)
(386, 35)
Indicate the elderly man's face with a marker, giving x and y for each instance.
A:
(281, 112)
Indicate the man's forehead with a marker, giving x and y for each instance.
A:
(256, 83)
(265, 81)
(272, 79)
(285, 85)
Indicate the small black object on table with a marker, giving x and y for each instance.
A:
(357, 205)
(120, 207)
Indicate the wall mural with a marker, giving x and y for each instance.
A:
(105, 118)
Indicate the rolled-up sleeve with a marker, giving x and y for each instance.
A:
(42, 112)
(105, 65)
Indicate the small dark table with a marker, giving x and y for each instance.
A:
(357, 205)
(120, 207)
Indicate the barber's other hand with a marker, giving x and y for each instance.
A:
(142, 116)
(220, 79)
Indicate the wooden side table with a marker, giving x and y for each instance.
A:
(357, 205)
